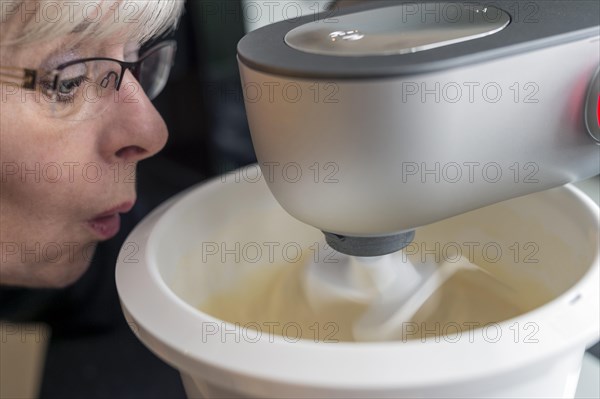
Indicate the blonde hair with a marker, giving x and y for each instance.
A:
(30, 21)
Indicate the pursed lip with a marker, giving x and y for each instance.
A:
(123, 208)
(107, 224)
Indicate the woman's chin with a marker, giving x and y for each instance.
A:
(54, 275)
(64, 275)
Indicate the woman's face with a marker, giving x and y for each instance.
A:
(65, 182)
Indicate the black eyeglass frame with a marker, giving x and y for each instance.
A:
(30, 76)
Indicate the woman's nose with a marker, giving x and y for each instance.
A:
(134, 130)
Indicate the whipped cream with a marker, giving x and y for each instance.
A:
(365, 299)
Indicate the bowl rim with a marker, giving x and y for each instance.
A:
(170, 327)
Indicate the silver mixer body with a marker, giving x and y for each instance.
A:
(369, 146)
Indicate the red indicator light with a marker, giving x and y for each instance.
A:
(598, 110)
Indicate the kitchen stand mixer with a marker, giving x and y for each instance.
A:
(422, 111)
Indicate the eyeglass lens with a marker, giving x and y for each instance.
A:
(85, 90)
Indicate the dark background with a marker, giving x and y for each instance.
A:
(93, 353)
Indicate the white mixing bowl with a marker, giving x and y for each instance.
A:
(162, 278)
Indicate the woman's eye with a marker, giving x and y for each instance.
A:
(67, 87)
(66, 90)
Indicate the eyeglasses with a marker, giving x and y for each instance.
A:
(84, 89)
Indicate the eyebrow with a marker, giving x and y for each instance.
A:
(57, 56)
(81, 27)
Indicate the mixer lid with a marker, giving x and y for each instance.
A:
(395, 38)
(402, 29)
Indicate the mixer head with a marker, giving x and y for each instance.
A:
(371, 121)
